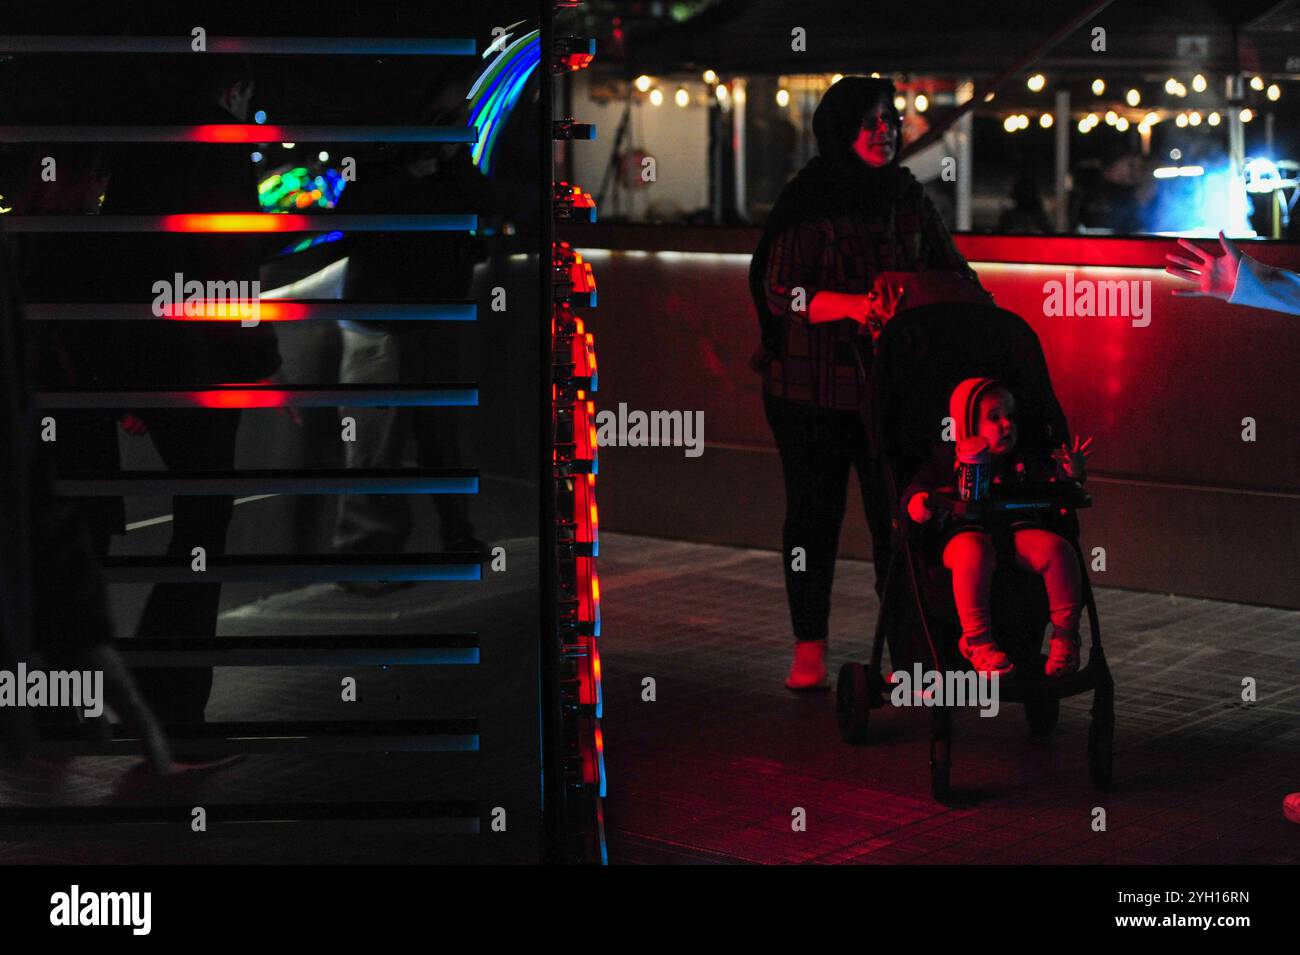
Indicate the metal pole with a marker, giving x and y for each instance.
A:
(739, 94)
(1061, 121)
(965, 159)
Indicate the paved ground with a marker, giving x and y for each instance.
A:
(713, 769)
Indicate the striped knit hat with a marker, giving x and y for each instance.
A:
(965, 402)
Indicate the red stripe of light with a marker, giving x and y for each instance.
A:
(212, 311)
(239, 222)
(236, 133)
(241, 398)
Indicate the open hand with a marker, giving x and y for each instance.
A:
(1214, 275)
(917, 510)
(1070, 460)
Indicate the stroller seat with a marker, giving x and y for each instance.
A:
(921, 355)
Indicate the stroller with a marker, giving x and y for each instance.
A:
(921, 355)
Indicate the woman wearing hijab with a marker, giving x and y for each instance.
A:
(849, 215)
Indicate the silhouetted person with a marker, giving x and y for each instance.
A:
(185, 355)
(407, 267)
(53, 610)
(1026, 213)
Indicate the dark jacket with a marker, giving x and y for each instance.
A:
(825, 364)
(415, 266)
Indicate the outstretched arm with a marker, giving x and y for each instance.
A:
(1235, 278)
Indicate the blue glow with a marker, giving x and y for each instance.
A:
(259, 117)
(1200, 205)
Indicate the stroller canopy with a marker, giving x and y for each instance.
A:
(923, 354)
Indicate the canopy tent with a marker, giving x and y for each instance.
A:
(955, 38)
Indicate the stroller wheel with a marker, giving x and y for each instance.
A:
(853, 702)
(1100, 736)
(1042, 715)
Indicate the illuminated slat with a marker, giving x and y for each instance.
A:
(239, 133)
(315, 568)
(269, 310)
(222, 739)
(319, 820)
(285, 45)
(354, 650)
(230, 483)
(267, 396)
(242, 222)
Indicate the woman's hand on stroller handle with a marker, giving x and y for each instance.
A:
(867, 311)
(917, 508)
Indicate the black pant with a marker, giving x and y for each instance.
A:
(376, 523)
(198, 440)
(818, 446)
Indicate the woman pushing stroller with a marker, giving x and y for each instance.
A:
(984, 419)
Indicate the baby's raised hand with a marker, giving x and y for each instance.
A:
(916, 508)
(1070, 460)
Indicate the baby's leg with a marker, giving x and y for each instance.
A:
(1051, 556)
(971, 558)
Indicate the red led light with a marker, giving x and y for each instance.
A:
(239, 222)
(236, 133)
(229, 311)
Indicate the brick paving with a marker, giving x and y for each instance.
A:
(713, 769)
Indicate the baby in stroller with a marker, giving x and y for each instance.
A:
(984, 416)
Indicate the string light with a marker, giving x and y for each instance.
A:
(1213, 119)
(1246, 115)
(1198, 83)
(1098, 86)
(656, 97)
(643, 83)
(1274, 92)
(1257, 82)
(1036, 83)
(922, 102)
(1133, 97)
(710, 77)
(682, 98)
(1046, 121)
(783, 98)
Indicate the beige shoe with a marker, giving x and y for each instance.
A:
(1063, 656)
(808, 671)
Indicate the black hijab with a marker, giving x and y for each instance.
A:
(834, 181)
